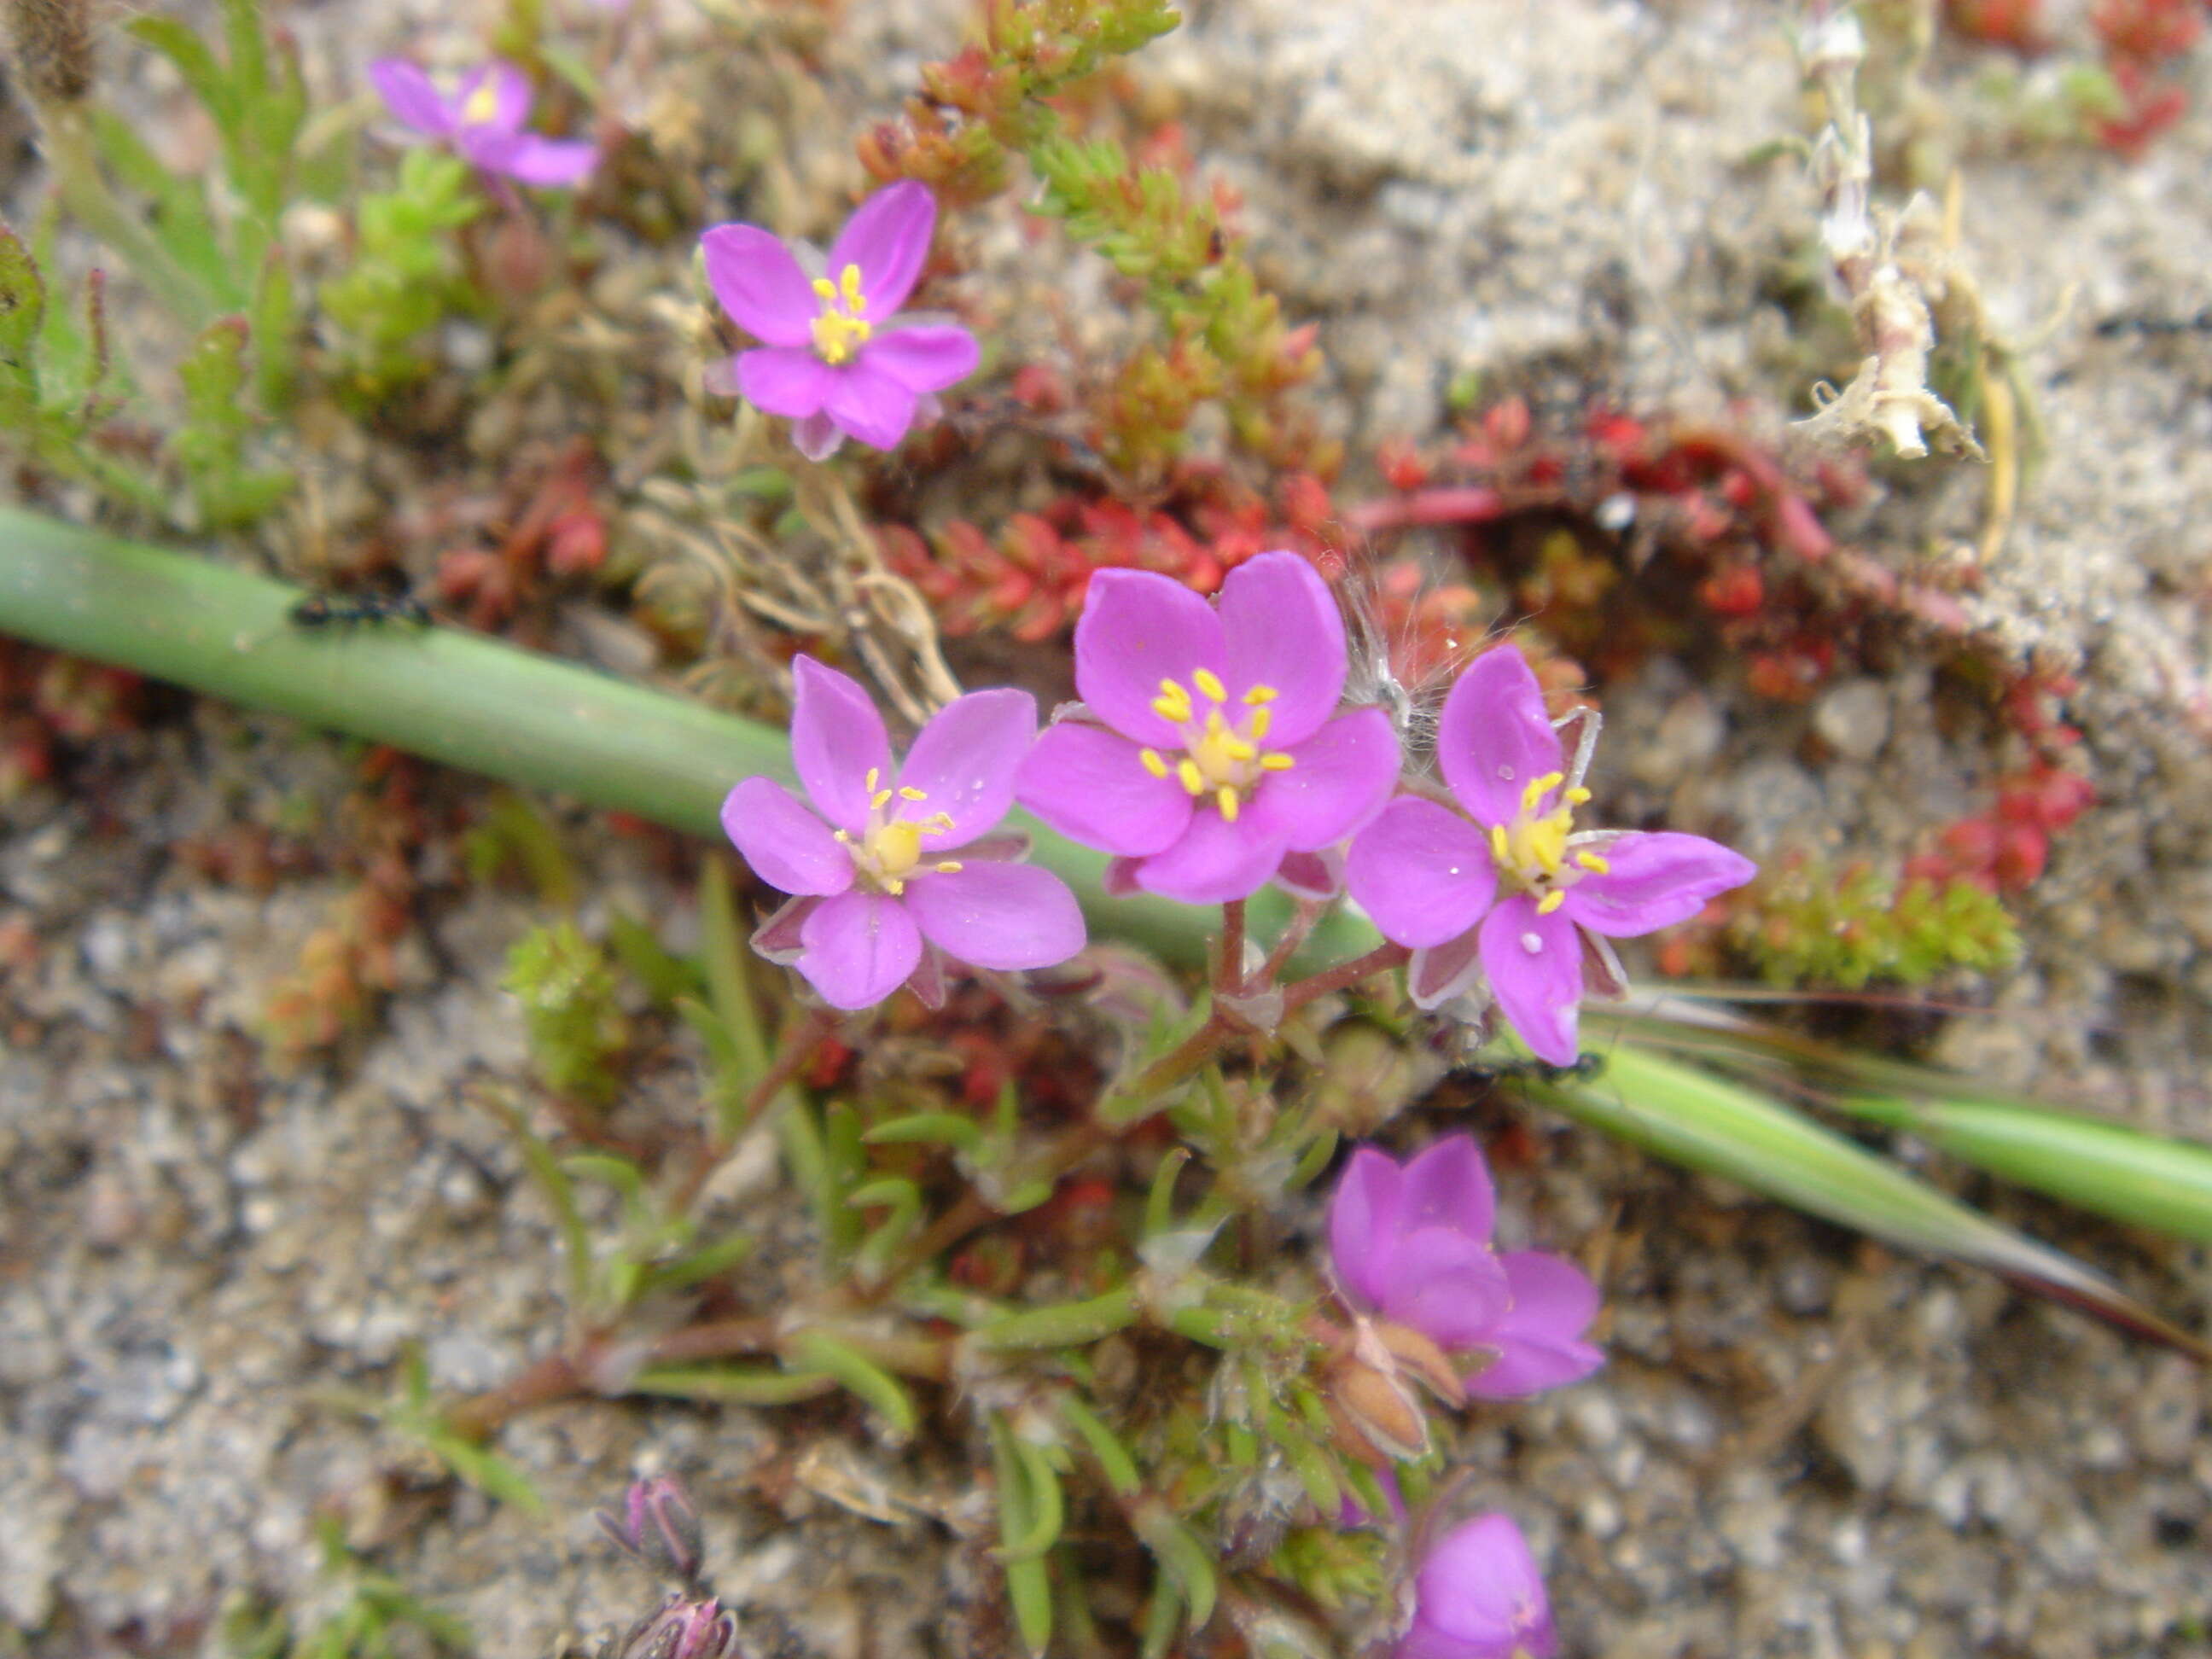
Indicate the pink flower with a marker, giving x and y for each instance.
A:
(1412, 1244)
(1209, 744)
(1432, 880)
(900, 871)
(482, 121)
(836, 360)
(1478, 1595)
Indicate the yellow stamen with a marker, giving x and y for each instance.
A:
(1237, 749)
(1540, 787)
(1578, 795)
(483, 104)
(880, 800)
(1277, 762)
(1261, 719)
(1260, 696)
(1225, 799)
(1501, 848)
(825, 289)
(1594, 863)
(868, 783)
(1550, 900)
(949, 867)
(856, 300)
(1153, 763)
(1209, 684)
(1173, 704)
(906, 793)
(1193, 779)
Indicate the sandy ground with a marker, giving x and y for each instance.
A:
(1802, 1446)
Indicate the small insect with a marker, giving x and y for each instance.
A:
(2199, 322)
(344, 610)
(1586, 1066)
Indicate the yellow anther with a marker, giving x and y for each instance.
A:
(1215, 726)
(939, 823)
(1277, 762)
(1153, 763)
(894, 887)
(949, 867)
(1261, 719)
(1209, 685)
(1237, 749)
(1501, 848)
(1260, 695)
(1594, 863)
(1540, 787)
(868, 783)
(850, 280)
(840, 835)
(1193, 779)
(1578, 795)
(880, 800)
(906, 793)
(1544, 843)
(825, 289)
(483, 104)
(1225, 799)
(1550, 900)
(1173, 704)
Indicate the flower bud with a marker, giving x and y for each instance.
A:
(657, 1526)
(1377, 1419)
(683, 1629)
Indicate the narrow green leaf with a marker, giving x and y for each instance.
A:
(1159, 1202)
(1029, 1586)
(1184, 1559)
(1066, 1324)
(1161, 1616)
(739, 1385)
(1046, 1507)
(22, 312)
(702, 1264)
(927, 1128)
(1706, 1123)
(1120, 1468)
(818, 1351)
(487, 1471)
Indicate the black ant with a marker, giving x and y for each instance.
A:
(342, 610)
(1586, 1066)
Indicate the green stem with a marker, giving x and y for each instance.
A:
(83, 190)
(460, 698)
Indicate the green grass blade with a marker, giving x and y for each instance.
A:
(1704, 1122)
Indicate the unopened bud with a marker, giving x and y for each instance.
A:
(1376, 1418)
(50, 42)
(683, 1629)
(658, 1525)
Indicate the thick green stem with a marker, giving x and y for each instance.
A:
(458, 698)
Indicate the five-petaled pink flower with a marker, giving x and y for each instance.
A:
(1209, 742)
(835, 359)
(1478, 1595)
(1518, 896)
(903, 869)
(482, 121)
(1412, 1243)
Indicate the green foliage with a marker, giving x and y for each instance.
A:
(1812, 927)
(406, 276)
(570, 995)
(210, 447)
(380, 1619)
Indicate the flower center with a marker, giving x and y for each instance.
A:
(1531, 852)
(481, 106)
(843, 328)
(888, 850)
(1221, 759)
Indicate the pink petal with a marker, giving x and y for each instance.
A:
(964, 762)
(552, 163)
(1534, 964)
(837, 739)
(1087, 783)
(1282, 630)
(777, 938)
(760, 283)
(861, 947)
(1341, 776)
(1422, 872)
(1654, 881)
(510, 99)
(1137, 629)
(787, 846)
(888, 238)
(870, 405)
(1442, 972)
(408, 94)
(1493, 739)
(923, 359)
(817, 437)
(1005, 917)
(1446, 1286)
(1214, 861)
(1315, 877)
(1478, 1595)
(787, 380)
(1539, 1342)
(1448, 1185)
(1363, 1224)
